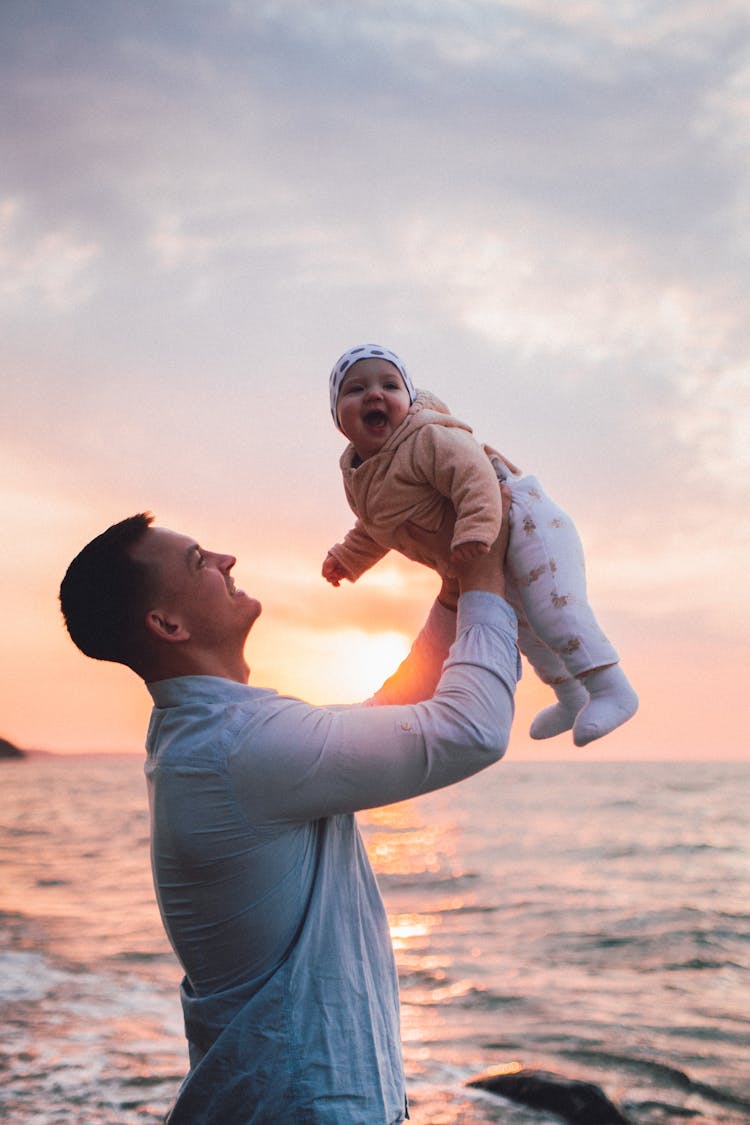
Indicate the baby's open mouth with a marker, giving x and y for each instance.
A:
(375, 418)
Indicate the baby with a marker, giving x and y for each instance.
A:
(410, 462)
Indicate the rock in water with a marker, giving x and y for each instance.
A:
(8, 750)
(580, 1103)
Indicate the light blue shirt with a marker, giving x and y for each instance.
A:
(290, 992)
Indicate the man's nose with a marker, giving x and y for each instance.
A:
(226, 562)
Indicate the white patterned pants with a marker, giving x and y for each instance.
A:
(546, 585)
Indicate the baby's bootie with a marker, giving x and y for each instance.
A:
(612, 702)
(561, 716)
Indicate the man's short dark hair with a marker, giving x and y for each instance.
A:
(104, 594)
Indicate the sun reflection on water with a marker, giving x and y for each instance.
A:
(414, 850)
(401, 842)
(431, 887)
(405, 928)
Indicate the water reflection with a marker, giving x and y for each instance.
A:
(429, 896)
(401, 842)
(407, 928)
(437, 922)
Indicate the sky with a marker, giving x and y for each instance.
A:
(543, 206)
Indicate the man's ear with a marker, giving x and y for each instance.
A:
(165, 627)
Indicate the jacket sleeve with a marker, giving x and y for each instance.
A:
(358, 551)
(455, 464)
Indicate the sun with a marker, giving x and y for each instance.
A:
(331, 666)
(361, 662)
(379, 656)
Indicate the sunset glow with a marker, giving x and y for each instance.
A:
(542, 209)
(336, 666)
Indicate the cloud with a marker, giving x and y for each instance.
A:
(53, 267)
(552, 185)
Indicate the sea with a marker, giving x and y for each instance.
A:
(584, 919)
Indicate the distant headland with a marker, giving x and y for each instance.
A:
(8, 750)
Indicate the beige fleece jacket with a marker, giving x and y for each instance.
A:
(431, 470)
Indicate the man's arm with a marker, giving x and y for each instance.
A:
(298, 762)
(417, 677)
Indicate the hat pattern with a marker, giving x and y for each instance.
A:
(349, 358)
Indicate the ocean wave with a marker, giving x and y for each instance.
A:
(27, 976)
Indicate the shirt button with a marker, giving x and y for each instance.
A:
(406, 726)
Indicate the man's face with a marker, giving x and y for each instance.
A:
(373, 402)
(195, 586)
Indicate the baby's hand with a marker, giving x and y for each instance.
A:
(466, 551)
(333, 571)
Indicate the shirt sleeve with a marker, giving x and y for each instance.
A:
(295, 762)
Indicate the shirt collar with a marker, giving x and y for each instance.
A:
(197, 689)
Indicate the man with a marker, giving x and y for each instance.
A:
(290, 992)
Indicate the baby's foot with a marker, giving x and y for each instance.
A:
(612, 703)
(572, 697)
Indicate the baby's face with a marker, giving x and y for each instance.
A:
(373, 402)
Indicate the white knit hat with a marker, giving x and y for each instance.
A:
(348, 359)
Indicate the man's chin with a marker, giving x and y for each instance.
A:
(254, 610)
